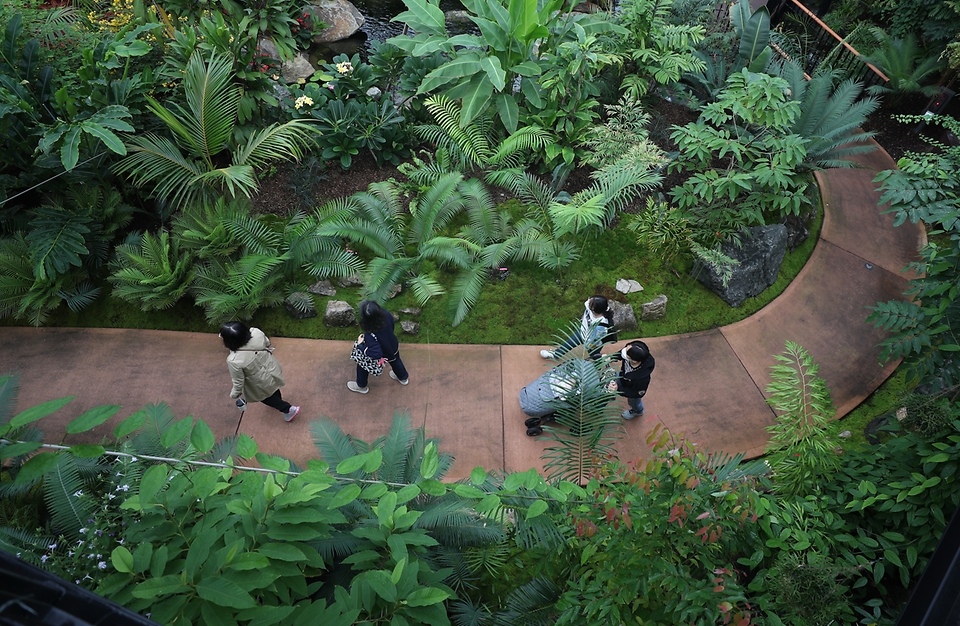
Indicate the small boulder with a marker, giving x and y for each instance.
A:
(300, 306)
(296, 68)
(339, 314)
(353, 280)
(654, 310)
(322, 288)
(628, 286)
(342, 17)
(410, 328)
(760, 256)
(395, 291)
(410, 310)
(374, 92)
(624, 318)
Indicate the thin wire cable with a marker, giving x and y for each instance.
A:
(44, 182)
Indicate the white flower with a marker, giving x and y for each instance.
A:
(303, 101)
(120, 542)
(344, 68)
(125, 487)
(102, 565)
(52, 546)
(134, 459)
(80, 543)
(69, 552)
(110, 496)
(44, 558)
(83, 530)
(78, 493)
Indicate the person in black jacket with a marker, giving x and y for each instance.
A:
(380, 342)
(636, 366)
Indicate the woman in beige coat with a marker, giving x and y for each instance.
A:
(255, 372)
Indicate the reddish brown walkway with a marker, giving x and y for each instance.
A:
(708, 385)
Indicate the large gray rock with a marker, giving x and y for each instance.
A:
(625, 285)
(291, 69)
(353, 280)
(410, 328)
(760, 257)
(342, 17)
(339, 314)
(624, 318)
(322, 288)
(300, 306)
(654, 310)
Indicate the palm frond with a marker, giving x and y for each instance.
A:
(156, 163)
(424, 288)
(465, 292)
(396, 449)
(62, 487)
(277, 142)
(333, 444)
(157, 420)
(254, 234)
(212, 101)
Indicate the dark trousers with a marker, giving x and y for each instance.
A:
(397, 365)
(277, 402)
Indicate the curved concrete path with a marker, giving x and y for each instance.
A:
(708, 385)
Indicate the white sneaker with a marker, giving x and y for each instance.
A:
(405, 381)
(352, 386)
(292, 413)
(547, 354)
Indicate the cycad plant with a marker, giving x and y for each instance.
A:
(591, 425)
(154, 273)
(831, 116)
(803, 444)
(405, 244)
(909, 68)
(472, 144)
(204, 160)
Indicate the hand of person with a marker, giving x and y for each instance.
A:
(360, 338)
(612, 385)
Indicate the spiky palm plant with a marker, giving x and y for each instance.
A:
(831, 116)
(204, 160)
(474, 145)
(154, 273)
(908, 67)
(401, 242)
(590, 424)
(802, 441)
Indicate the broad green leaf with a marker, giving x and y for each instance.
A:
(423, 16)
(469, 491)
(70, 150)
(475, 100)
(150, 484)
(432, 487)
(246, 446)
(202, 437)
(223, 592)
(162, 586)
(509, 111)
(110, 140)
(130, 424)
(36, 467)
(937, 458)
(407, 493)
(282, 552)
(494, 71)
(86, 451)
(39, 411)
(426, 596)
(536, 509)
(373, 492)
(345, 496)
(18, 449)
(213, 615)
(352, 464)
(373, 461)
(249, 560)
(478, 475)
(92, 418)
(381, 584)
(430, 463)
(122, 560)
(177, 432)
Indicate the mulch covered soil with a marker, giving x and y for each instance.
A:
(288, 190)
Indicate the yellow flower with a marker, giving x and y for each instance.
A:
(345, 67)
(301, 81)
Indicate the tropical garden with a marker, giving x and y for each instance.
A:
(139, 140)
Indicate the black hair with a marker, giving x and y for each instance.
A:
(235, 335)
(599, 304)
(637, 351)
(372, 316)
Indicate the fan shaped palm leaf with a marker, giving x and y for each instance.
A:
(277, 142)
(156, 161)
(466, 291)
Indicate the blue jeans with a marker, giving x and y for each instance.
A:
(397, 365)
(636, 405)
